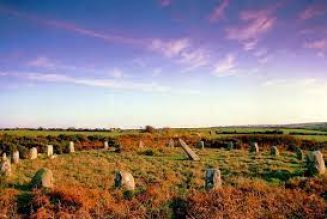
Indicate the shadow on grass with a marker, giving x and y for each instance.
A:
(281, 175)
(20, 186)
(24, 203)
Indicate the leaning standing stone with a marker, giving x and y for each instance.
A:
(49, 150)
(124, 180)
(43, 178)
(5, 168)
(274, 151)
(254, 147)
(106, 145)
(213, 179)
(71, 148)
(188, 150)
(15, 157)
(33, 153)
(315, 163)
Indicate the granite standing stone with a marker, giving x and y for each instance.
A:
(15, 157)
(274, 151)
(71, 148)
(200, 144)
(298, 153)
(315, 163)
(106, 145)
(230, 145)
(49, 150)
(141, 144)
(254, 147)
(43, 178)
(5, 169)
(171, 143)
(188, 150)
(125, 180)
(213, 179)
(33, 153)
(4, 157)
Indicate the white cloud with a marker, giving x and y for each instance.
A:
(305, 85)
(219, 11)
(42, 62)
(318, 44)
(194, 58)
(250, 45)
(156, 72)
(225, 66)
(182, 51)
(170, 48)
(256, 23)
(116, 73)
(105, 83)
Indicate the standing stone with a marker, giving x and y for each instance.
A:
(15, 157)
(4, 157)
(254, 147)
(141, 144)
(213, 179)
(106, 145)
(49, 150)
(315, 163)
(274, 151)
(43, 178)
(188, 150)
(230, 145)
(200, 144)
(171, 143)
(124, 180)
(71, 148)
(33, 153)
(299, 153)
(212, 132)
(5, 169)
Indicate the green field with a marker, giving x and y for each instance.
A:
(205, 132)
(84, 181)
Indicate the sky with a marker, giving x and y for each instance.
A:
(166, 63)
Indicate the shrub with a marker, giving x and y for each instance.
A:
(149, 129)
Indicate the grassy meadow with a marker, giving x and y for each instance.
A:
(168, 185)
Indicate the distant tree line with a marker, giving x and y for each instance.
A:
(267, 132)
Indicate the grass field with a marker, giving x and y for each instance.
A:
(83, 177)
(203, 131)
(168, 185)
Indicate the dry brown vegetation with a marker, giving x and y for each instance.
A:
(167, 184)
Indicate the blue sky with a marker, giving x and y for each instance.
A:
(176, 63)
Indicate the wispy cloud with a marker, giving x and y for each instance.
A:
(182, 51)
(93, 82)
(219, 11)
(165, 3)
(256, 23)
(170, 48)
(263, 56)
(313, 11)
(75, 28)
(116, 73)
(42, 62)
(306, 85)
(225, 66)
(317, 44)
